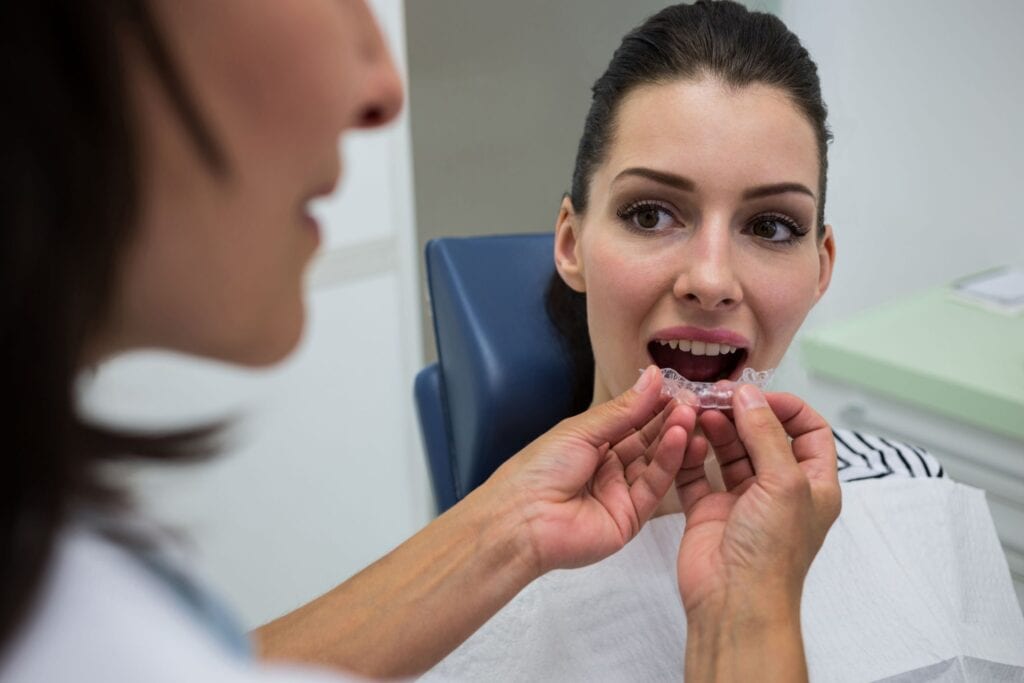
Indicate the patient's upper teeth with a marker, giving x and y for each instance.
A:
(711, 349)
(684, 345)
(698, 348)
(674, 343)
(726, 349)
(663, 342)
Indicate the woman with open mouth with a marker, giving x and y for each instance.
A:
(694, 238)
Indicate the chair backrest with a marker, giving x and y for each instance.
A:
(503, 376)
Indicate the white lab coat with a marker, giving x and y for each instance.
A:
(104, 617)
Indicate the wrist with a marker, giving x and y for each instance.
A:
(748, 640)
(503, 532)
(750, 618)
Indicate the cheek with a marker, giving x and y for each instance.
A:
(284, 86)
(621, 290)
(781, 298)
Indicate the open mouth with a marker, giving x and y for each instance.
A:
(697, 361)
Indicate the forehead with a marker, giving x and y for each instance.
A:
(715, 134)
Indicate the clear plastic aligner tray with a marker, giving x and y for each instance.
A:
(711, 395)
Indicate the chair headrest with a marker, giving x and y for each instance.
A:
(506, 375)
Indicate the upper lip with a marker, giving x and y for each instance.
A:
(716, 336)
(323, 191)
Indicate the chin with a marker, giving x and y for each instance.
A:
(268, 347)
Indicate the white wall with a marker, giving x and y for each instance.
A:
(925, 100)
(324, 471)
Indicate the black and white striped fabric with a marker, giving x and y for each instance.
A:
(864, 457)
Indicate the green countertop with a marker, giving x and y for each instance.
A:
(932, 352)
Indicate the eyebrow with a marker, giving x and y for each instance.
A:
(778, 188)
(670, 179)
(686, 185)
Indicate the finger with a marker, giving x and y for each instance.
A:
(691, 482)
(736, 472)
(674, 415)
(631, 410)
(693, 460)
(640, 441)
(761, 432)
(722, 436)
(740, 487)
(796, 416)
(813, 444)
(655, 480)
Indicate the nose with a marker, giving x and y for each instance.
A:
(381, 94)
(707, 277)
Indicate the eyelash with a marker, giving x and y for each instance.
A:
(629, 211)
(798, 232)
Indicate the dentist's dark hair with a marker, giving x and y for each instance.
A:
(719, 40)
(69, 204)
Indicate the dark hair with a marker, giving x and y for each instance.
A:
(69, 194)
(720, 40)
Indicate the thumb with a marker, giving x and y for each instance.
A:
(631, 410)
(760, 431)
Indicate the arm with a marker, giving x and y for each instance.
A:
(747, 550)
(572, 497)
(403, 613)
(752, 642)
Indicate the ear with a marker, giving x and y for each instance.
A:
(567, 247)
(826, 261)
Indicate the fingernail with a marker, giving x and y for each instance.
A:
(751, 397)
(644, 381)
(688, 398)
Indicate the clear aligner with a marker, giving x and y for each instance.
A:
(708, 395)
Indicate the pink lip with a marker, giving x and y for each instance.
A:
(307, 218)
(718, 336)
(325, 190)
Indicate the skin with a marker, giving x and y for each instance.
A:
(747, 549)
(215, 269)
(705, 264)
(702, 266)
(708, 255)
(277, 83)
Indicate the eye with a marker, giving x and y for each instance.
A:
(646, 216)
(776, 228)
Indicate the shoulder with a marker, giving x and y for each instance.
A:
(111, 620)
(864, 457)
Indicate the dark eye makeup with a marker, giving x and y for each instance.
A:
(651, 217)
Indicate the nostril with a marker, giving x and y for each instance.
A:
(373, 116)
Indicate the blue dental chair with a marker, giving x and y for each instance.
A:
(503, 376)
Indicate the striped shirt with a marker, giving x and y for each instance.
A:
(865, 456)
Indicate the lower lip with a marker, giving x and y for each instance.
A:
(311, 225)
